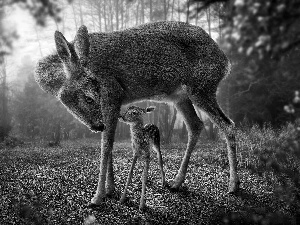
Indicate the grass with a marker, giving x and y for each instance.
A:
(42, 185)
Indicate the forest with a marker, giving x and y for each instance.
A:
(263, 79)
(261, 95)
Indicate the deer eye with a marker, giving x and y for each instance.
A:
(89, 100)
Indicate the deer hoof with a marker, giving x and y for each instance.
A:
(142, 207)
(96, 200)
(122, 200)
(233, 186)
(165, 185)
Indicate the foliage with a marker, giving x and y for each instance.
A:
(293, 108)
(259, 89)
(39, 9)
(274, 155)
(10, 142)
(261, 29)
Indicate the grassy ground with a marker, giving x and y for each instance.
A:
(42, 185)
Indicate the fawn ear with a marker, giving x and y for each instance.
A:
(150, 109)
(62, 46)
(82, 44)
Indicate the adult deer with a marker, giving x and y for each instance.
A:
(97, 73)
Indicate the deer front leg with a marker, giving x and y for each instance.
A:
(106, 168)
(110, 185)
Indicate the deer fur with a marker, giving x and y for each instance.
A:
(141, 139)
(97, 73)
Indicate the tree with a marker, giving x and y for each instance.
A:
(5, 124)
(40, 11)
(166, 121)
(264, 29)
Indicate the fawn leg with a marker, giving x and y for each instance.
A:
(213, 110)
(194, 126)
(161, 164)
(144, 181)
(129, 178)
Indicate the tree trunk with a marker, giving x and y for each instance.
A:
(151, 10)
(126, 14)
(137, 13)
(5, 123)
(117, 14)
(111, 15)
(74, 14)
(197, 14)
(104, 16)
(173, 5)
(142, 12)
(57, 134)
(166, 125)
(165, 10)
(92, 15)
(208, 20)
(80, 12)
(99, 9)
(122, 14)
(38, 39)
(188, 11)
(178, 4)
(171, 127)
(183, 134)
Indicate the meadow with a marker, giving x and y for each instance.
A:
(53, 185)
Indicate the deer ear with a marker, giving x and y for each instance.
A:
(62, 46)
(150, 109)
(82, 44)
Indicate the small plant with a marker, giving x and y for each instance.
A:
(10, 142)
(275, 155)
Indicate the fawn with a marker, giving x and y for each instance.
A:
(141, 138)
(97, 73)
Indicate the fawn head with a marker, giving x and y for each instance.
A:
(67, 76)
(134, 114)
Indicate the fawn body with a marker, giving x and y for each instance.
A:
(97, 73)
(142, 137)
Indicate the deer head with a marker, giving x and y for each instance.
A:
(134, 114)
(67, 76)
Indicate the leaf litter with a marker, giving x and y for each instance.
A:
(54, 186)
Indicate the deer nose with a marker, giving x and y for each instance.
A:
(98, 128)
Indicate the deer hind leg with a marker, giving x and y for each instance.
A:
(213, 110)
(129, 178)
(194, 126)
(144, 180)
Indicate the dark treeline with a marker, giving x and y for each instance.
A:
(258, 89)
